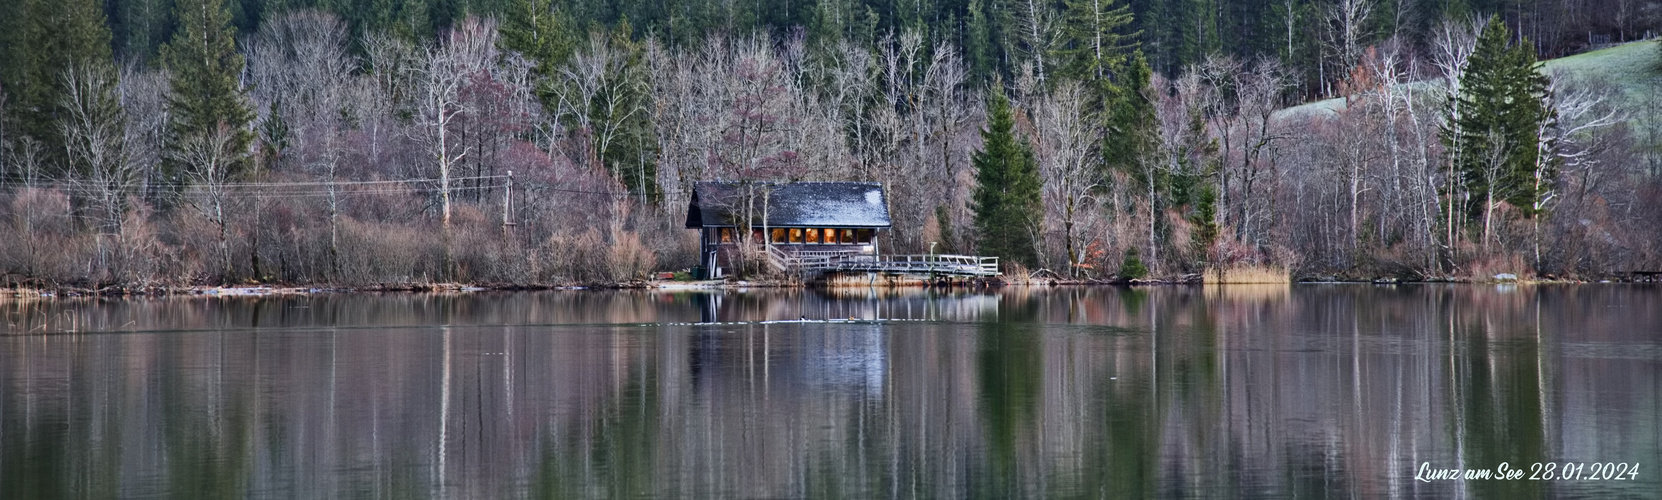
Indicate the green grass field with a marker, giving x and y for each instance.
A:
(1631, 67)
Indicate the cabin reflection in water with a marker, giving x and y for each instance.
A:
(847, 358)
(846, 304)
(774, 220)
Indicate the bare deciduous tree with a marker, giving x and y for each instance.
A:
(1038, 35)
(1181, 147)
(593, 95)
(299, 68)
(1065, 145)
(1347, 32)
(94, 135)
(211, 158)
(439, 78)
(1569, 140)
(921, 134)
(1452, 43)
(386, 89)
(1239, 101)
(144, 97)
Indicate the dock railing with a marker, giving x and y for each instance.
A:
(830, 261)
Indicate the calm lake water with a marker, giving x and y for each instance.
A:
(1236, 391)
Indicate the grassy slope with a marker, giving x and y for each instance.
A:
(1631, 67)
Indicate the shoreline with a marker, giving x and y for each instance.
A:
(669, 285)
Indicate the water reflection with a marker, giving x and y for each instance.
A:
(1166, 392)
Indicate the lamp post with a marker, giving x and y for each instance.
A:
(931, 261)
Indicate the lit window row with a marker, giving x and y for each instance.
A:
(807, 236)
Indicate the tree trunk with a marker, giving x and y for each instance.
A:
(1536, 229)
(1488, 215)
(224, 247)
(1067, 234)
(1355, 202)
(254, 251)
(444, 219)
(1153, 246)
(334, 230)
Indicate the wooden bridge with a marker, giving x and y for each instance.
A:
(820, 262)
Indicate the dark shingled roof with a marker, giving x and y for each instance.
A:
(797, 204)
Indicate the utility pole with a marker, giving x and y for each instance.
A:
(507, 205)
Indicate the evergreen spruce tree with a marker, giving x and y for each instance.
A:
(246, 15)
(42, 45)
(413, 21)
(1095, 52)
(979, 47)
(206, 94)
(139, 27)
(1129, 134)
(1092, 45)
(1169, 32)
(544, 36)
(1495, 139)
(826, 26)
(1007, 187)
(370, 17)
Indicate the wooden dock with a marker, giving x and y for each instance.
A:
(816, 263)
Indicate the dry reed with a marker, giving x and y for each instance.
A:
(1247, 274)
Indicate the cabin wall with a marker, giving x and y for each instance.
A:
(719, 249)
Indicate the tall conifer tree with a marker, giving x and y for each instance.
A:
(1130, 120)
(206, 93)
(47, 40)
(139, 27)
(1496, 139)
(828, 22)
(979, 45)
(544, 36)
(1007, 187)
(1092, 45)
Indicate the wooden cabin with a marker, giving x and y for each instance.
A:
(785, 219)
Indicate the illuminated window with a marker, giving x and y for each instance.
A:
(813, 235)
(726, 235)
(862, 236)
(848, 237)
(778, 235)
(755, 235)
(796, 235)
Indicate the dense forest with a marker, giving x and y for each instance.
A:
(358, 142)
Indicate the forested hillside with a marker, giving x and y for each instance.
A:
(169, 142)
(1316, 37)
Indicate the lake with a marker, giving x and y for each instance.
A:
(1224, 391)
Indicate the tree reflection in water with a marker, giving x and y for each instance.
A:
(1310, 390)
